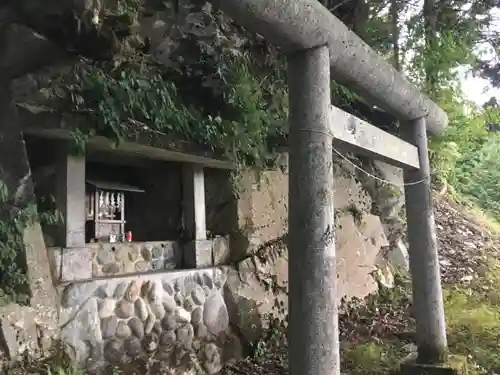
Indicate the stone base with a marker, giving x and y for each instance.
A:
(198, 254)
(455, 365)
(167, 317)
(113, 259)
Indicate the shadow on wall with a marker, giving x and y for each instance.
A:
(254, 210)
(221, 202)
(222, 211)
(155, 215)
(42, 159)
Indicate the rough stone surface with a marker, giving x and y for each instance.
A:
(103, 259)
(19, 333)
(221, 251)
(198, 254)
(141, 309)
(76, 264)
(115, 320)
(124, 309)
(20, 325)
(398, 255)
(106, 307)
(258, 287)
(388, 200)
(215, 316)
(249, 300)
(263, 205)
(358, 246)
(108, 326)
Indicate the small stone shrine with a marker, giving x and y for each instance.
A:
(105, 210)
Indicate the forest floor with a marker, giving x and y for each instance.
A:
(378, 333)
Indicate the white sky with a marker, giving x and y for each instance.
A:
(477, 89)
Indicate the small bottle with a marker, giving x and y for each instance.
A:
(129, 236)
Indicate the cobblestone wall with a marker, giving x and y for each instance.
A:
(104, 259)
(179, 318)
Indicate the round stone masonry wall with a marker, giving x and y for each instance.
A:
(122, 258)
(178, 318)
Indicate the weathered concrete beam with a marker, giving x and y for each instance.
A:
(302, 24)
(133, 149)
(354, 134)
(193, 188)
(70, 196)
(198, 251)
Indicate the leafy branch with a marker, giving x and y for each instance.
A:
(119, 102)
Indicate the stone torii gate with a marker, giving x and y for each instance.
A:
(319, 46)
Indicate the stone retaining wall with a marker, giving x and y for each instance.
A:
(179, 318)
(104, 259)
(119, 259)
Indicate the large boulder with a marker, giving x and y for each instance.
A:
(256, 291)
(262, 207)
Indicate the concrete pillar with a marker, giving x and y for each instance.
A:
(423, 252)
(313, 316)
(198, 252)
(70, 196)
(193, 185)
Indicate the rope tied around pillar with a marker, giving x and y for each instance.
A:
(329, 134)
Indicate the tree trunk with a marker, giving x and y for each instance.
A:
(430, 27)
(395, 34)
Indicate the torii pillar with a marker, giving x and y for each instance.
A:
(313, 316)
